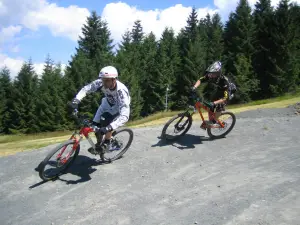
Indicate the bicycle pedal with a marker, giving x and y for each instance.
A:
(203, 126)
(93, 151)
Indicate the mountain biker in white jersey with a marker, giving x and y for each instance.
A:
(115, 106)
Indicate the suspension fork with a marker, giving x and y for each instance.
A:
(74, 147)
(186, 113)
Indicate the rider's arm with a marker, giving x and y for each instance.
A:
(89, 88)
(202, 79)
(124, 109)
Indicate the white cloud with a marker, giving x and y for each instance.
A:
(32, 14)
(15, 64)
(7, 36)
(227, 6)
(8, 33)
(120, 17)
(61, 21)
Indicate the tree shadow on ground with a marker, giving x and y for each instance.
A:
(82, 168)
(188, 141)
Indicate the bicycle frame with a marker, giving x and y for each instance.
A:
(84, 132)
(199, 105)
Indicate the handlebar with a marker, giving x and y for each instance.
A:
(82, 120)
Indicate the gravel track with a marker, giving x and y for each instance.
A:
(250, 177)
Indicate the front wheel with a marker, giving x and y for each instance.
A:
(121, 141)
(184, 123)
(218, 131)
(64, 156)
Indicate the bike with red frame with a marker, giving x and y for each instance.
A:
(62, 161)
(186, 119)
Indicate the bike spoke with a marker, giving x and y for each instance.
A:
(177, 127)
(119, 145)
(58, 161)
(226, 120)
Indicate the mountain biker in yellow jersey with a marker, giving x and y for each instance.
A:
(225, 89)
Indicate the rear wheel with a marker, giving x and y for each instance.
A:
(218, 131)
(120, 143)
(64, 156)
(182, 123)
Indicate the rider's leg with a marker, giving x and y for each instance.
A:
(108, 119)
(97, 119)
(96, 122)
(220, 103)
(108, 135)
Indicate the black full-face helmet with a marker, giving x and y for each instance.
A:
(214, 70)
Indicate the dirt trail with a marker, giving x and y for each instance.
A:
(250, 177)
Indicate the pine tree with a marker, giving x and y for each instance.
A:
(168, 66)
(50, 104)
(239, 40)
(45, 105)
(135, 92)
(295, 62)
(284, 51)
(59, 99)
(239, 33)
(191, 30)
(23, 112)
(230, 48)
(137, 33)
(190, 45)
(211, 34)
(262, 58)
(129, 63)
(244, 80)
(217, 44)
(195, 64)
(151, 84)
(5, 99)
(123, 58)
(96, 42)
(205, 33)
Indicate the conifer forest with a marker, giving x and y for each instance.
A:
(259, 49)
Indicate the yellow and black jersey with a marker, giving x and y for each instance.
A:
(222, 84)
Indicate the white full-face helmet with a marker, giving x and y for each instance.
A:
(108, 72)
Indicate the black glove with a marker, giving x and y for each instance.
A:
(104, 130)
(193, 93)
(74, 103)
(193, 89)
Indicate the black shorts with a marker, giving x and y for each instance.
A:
(106, 119)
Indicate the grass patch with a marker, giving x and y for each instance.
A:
(24, 137)
(10, 148)
(153, 117)
(11, 144)
(267, 101)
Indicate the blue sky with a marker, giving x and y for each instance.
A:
(35, 28)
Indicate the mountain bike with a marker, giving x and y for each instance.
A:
(186, 119)
(63, 158)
